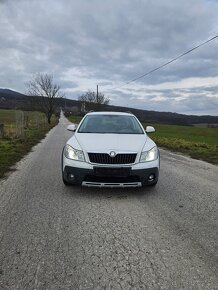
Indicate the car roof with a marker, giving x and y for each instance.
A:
(110, 113)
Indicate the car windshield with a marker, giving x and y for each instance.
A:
(110, 124)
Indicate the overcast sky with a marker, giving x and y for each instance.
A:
(109, 42)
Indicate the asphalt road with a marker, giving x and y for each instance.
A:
(57, 237)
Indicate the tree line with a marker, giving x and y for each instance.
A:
(47, 92)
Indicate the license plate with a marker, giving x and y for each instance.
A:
(115, 172)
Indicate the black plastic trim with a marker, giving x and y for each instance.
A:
(82, 174)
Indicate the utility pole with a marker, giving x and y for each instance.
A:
(97, 94)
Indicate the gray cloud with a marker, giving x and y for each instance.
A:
(84, 43)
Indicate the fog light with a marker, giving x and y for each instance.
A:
(71, 176)
(151, 177)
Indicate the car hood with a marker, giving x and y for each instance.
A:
(103, 143)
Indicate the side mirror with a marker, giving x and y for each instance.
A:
(149, 129)
(72, 127)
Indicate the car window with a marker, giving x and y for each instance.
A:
(112, 124)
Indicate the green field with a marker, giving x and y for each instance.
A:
(13, 146)
(9, 116)
(197, 142)
(75, 119)
(188, 133)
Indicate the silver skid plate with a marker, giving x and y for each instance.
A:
(102, 184)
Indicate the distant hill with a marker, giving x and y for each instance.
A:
(168, 117)
(10, 99)
(13, 100)
(8, 92)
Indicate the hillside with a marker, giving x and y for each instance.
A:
(13, 100)
(8, 92)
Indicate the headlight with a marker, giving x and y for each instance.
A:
(149, 155)
(73, 154)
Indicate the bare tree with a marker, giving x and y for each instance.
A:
(93, 100)
(44, 93)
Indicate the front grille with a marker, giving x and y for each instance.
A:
(103, 158)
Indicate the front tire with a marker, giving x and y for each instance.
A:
(153, 184)
(64, 181)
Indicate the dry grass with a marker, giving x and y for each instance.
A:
(13, 147)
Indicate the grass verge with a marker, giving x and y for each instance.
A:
(197, 150)
(197, 142)
(12, 149)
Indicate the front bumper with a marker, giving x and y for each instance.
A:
(87, 177)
